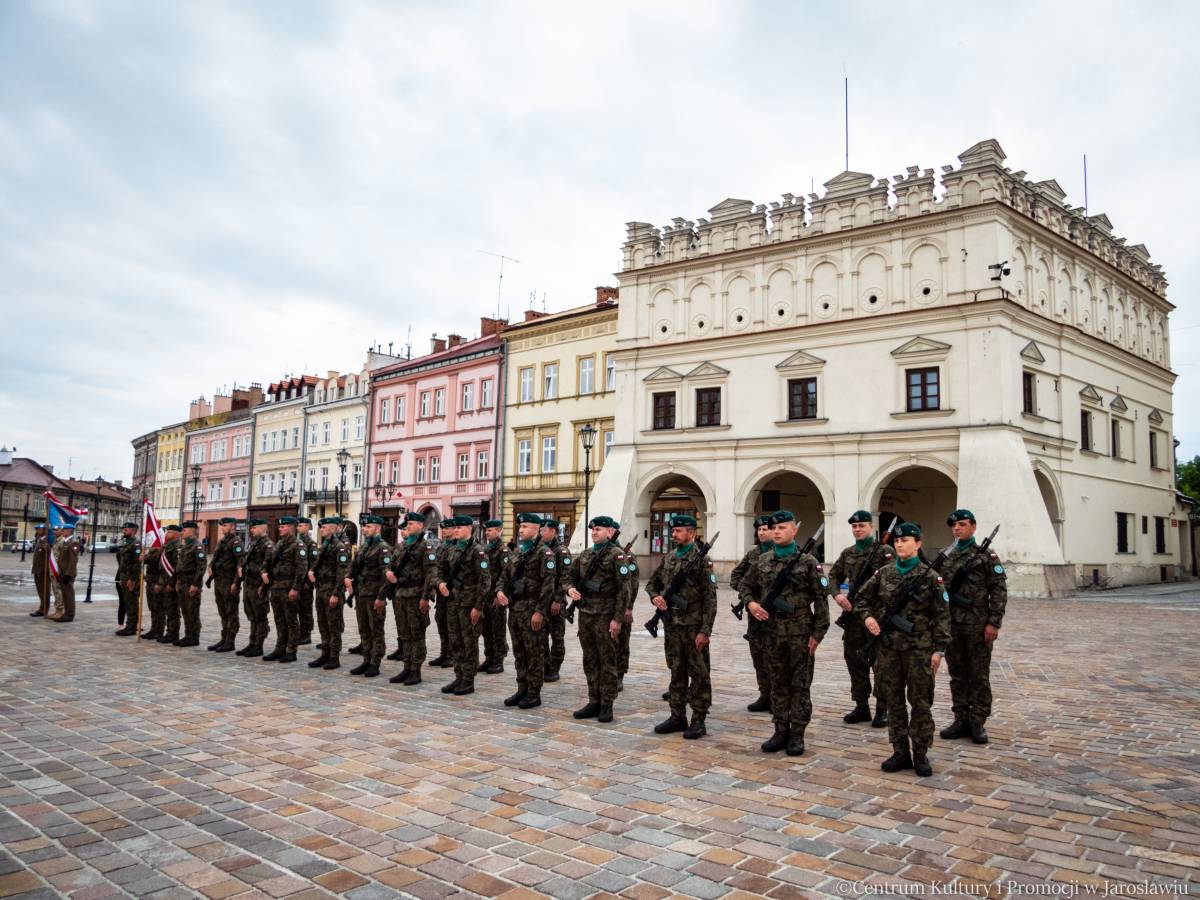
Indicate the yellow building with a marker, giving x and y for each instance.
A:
(279, 449)
(560, 377)
(335, 428)
(168, 480)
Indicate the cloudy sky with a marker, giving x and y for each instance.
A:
(194, 195)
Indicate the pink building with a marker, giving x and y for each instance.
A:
(434, 430)
(220, 445)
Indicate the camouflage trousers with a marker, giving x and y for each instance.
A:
(495, 637)
(286, 614)
(623, 647)
(969, 658)
(128, 598)
(790, 668)
(906, 671)
(227, 608)
(371, 623)
(441, 618)
(528, 646)
(398, 619)
(464, 640)
(330, 620)
(599, 657)
(256, 607)
(854, 638)
(690, 682)
(554, 641)
(756, 636)
(304, 608)
(170, 612)
(411, 625)
(154, 605)
(189, 610)
(56, 590)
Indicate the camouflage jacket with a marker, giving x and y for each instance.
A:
(928, 610)
(496, 554)
(804, 597)
(464, 568)
(561, 572)
(527, 578)
(606, 591)
(169, 557)
(695, 606)
(743, 568)
(310, 549)
(127, 560)
(227, 558)
(850, 561)
(189, 571)
(366, 571)
(289, 564)
(330, 567)
(415, 566)
(256, 559)
(984, 593)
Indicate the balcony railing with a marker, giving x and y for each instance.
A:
(327, 496)
(550, 481)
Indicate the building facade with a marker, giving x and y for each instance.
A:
(109, 507)
(23, 483)
(336, 429)
(560, 378)
(168, 473)
(887, 347)
(145, 457)
(434, 426)
(219, 452)
(278, 449)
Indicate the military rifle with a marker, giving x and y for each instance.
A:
(671, 592)
(960, 576)
(864, 572)
(586, 582)
(739, 609)
(892, 619)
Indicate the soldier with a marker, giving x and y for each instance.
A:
(411, 576)
(288, 569)
(40, 569)
(304, 606)
(908, 662)
(554, 636)
(189, 580)
(66, 560)
(976, 613)
(691, 614)
(166, 582)
(127, 578)
(223, 573)
(630, 598)
(788, 593)
(366, 579)
(463, 576)
(252, 572)
(524, 589)
(495, 625)
(329, 570)
(755, 633)
(844, 572)
(599, 584)
(151, 566)
(445, 658)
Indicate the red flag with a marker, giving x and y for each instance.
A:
(153, 535)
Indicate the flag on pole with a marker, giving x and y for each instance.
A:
(59, 515)
(153, 535)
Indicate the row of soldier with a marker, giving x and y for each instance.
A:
(533, 587)
(57, 581)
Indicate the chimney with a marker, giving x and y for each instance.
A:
(330, 374)
(436, 344)
(5, 456)
(488, 327)
(606, 295)
(222, 403)
(199, 408)
(49, 468)
(454, 340)
(531, 314)
(118, 483)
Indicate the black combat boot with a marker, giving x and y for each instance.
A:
(899, 760)
(357, 648)
(243, 651)
(671, 725)
(332, 663)
(762, 704)
(127, 631)
(530, 700)
(776, 742)
(396, 655)
(795, 745)
(305, 639)
(149, 634)
(274, 654)
(605, 714)
(589, 711)
(318, 662)
(213, 646)
(696, 729)
(225, 647)
(360, 668)
(179, 642)
(881, 718)
(958, 728)
(921, 765)
(452, 686)
(860, 713)
(620, 683)
(438, 661)
(666, 695)
(253, 650)
(402, 677)
(372, 671)
(551, 676)
(287, 658)
(191, 642)
(515, 698)
(496, 668)
(464, 688)
(978, 733)
(414, 677)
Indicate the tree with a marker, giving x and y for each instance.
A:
(1187, 477)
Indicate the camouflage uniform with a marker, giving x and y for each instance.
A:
(254, 592)
(904, 659)
(800, 611)
(527, 583)
(554, 632)
(441, 613)
(169, 593)
(189, 575)
(304, 603)
(224, 566)
(466, 571)
(980, 601)
(330, 567)
(756, 633)
(67, 559)
(40, 565)
(128, 566)
(370, 585)
(414, 565)
(495, 638)
(601, 575)
(690, 682)
(630, 598)
(151, 566)
(287, 570)
(854, 637)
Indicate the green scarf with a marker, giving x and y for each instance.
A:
(412, 539)
(766, 546)
(525, 545)
(783, 551)
(904, 566)
(964, 544)
(600, 546)
(865, 543)
(681, 552)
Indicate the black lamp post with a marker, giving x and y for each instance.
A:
(343, 457)
(24, 527)
(588, 435)
(95, 522)
(195, 491)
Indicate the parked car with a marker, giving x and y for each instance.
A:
(104, 546)
(25, 545)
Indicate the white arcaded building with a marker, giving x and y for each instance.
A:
(857, 350)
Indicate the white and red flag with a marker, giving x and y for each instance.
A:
(154, 536)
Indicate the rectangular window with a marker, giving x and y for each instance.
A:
(271, 484)
(524, 456)
(610, 372)
(549, 381)
(237, 447)
(262, 485)
(325, 433)
(587, 375)
(483, 465)
(1029, 393)
(356, 476)
(1123, 527)
(485, 394)
(312, 479)
(608, 443)
(664, 411)
(424, 404)
(527, 385)
(421, 470)
(345, 430)
(468, 397)
(395, 471)
(215, 491)
(923, 393)
(312, 435)
(708, 407)
(291, 480)
(435, 469)
(1153, 450)
(439, 402)
(378, 472)
(359, 427)
(324, 478)
(1160, 534)
(464, 466)
(1085, 430)
(274, 441)
(549, 454)
(802, 399)
(296, 437)
(1115, 447)
(384, 409)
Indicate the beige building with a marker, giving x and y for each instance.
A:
(560, 377)
(278, 456)
(335, 423)
(168, 478)
(906, 347)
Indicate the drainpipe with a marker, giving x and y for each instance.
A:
(498, 439)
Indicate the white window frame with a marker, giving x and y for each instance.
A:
(524, 456)
(395, 471)
(325, 433)
(607, 443)
(345, 432)
(525, 377)
(439, 402)
(360, 427)
(356, 475)
(464, 466)
(549, 454)
(610, 372)
(435, 469)
(485, 394)
(483, 465)
(587, 375)
(420, 470)
(468, 397)
(424, 404)
(384, 409)
(400, 410)
(550, 381)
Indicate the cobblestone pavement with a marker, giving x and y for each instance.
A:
(144, 770)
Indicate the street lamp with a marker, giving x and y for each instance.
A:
(24, 527)
(95, 522)
(195, 491)
(588, 435)
(343, 457)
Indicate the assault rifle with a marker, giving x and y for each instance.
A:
(588, 583)
(960, 576)
(739, 609)
(893, 618)
(671, 593)
(864, 572)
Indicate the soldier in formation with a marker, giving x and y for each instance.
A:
(367, 580)
(464, 578)
(411, 577)
(223, 569)
(304, 606)
(755, 633)
(189, 581)
(128, 579)
(167, 586)
(66, 561)
(253, 574)
(524, 588)
(599, 589)
(329, 569)
(495, 620)
(554, 635)
(445, 658)
(151, 565)
(41, 570)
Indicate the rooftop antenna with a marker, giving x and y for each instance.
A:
(1085, 187)
(846, 112)
(500, 280)
(543, 301)
(408, 344)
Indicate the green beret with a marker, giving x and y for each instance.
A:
(861, 516)
(304, 520)
(189, 524)
(250, 523)
(959, 514)
(493, 523)
(228, 520)
(329, 520)
(908, 529)
(370, 520)
(764, 519)
(604, 522)
(165, 528)
(464, 521)
(550, 523)
(126, 525)
(447, 523)
(783, 515)
(529, 519)
(683, 521)
(414, 517)
(287, 520)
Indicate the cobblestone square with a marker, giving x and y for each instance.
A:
(147, 770)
